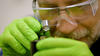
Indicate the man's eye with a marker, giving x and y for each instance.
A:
(76, 10)
(48, 14)
(81, 11)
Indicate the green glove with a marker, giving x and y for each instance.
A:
(17, 36)
(62, 47)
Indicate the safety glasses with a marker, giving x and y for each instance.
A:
(76, 11)
(70, 6)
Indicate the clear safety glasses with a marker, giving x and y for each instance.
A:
(76, 11)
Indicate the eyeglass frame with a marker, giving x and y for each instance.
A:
(70, 6)
(35, 6)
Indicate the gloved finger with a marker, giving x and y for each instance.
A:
(72, 51)
(12, 42)
(18, 35)
(54, 52)
(33, 23)
(26, 30)
(7, 51)
(57, 43)
(1, 41)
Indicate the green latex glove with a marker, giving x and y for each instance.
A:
(62, 47)
(17, 36)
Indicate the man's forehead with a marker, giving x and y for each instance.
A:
(54, 1)
(61, 1)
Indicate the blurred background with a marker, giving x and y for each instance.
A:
(13, 9)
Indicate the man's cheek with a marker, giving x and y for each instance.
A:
(80, 32)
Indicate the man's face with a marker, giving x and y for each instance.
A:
(76, 23)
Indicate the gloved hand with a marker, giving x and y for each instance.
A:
(62, 47)
(17, 36)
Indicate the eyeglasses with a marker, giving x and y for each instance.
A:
(66, 7)
(75, 11)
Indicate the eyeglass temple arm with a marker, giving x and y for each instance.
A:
(79, 4)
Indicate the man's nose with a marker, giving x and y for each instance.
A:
(66, 24)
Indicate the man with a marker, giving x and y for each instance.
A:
(76, 22)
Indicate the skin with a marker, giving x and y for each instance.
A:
(85, 26)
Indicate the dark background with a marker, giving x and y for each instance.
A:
(96, 48)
